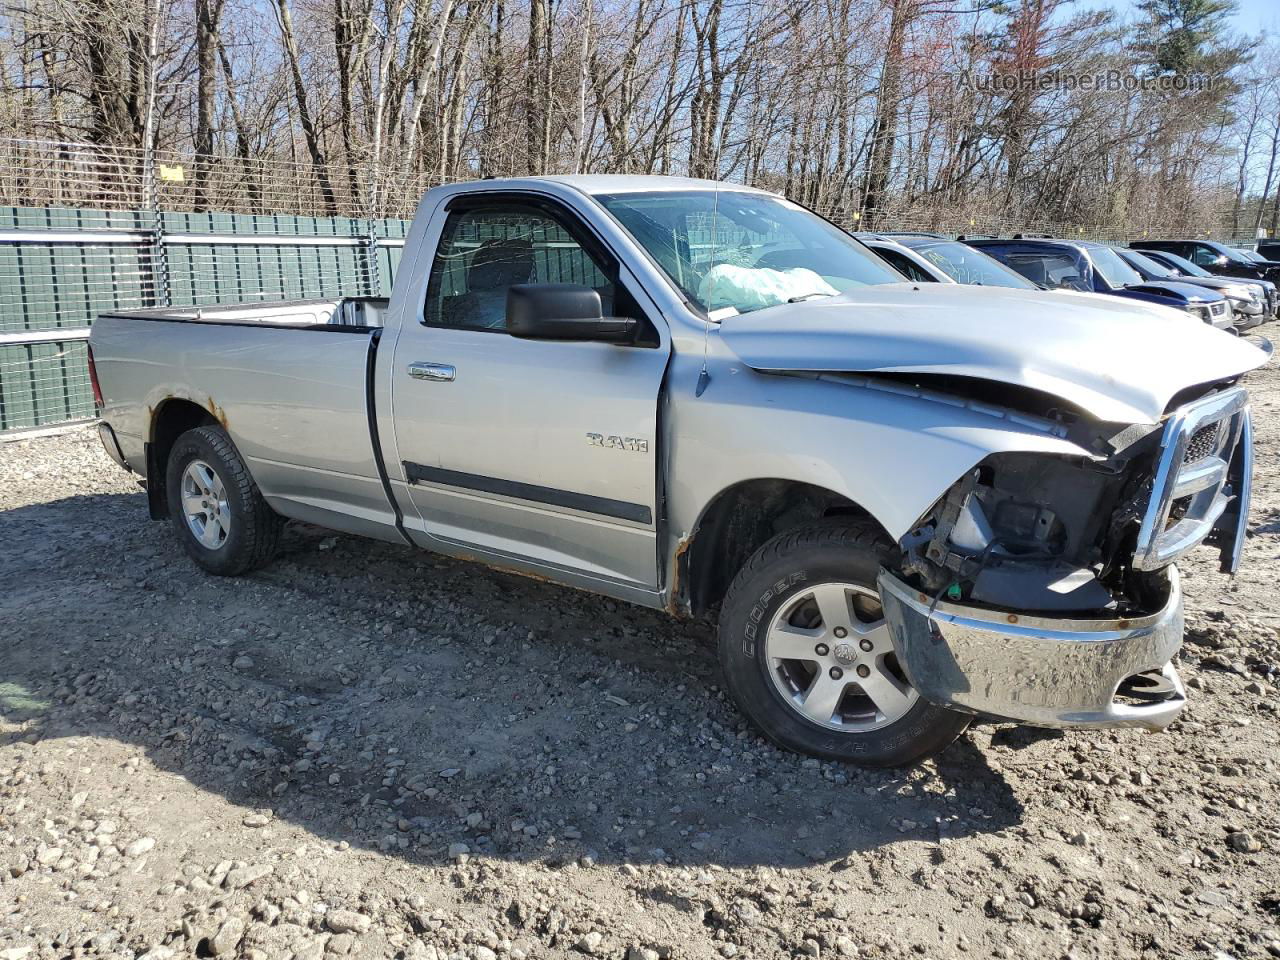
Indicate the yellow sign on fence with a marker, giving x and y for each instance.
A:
(172, 171)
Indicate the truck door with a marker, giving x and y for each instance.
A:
(538, 451)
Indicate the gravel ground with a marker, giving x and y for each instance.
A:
(372, 752)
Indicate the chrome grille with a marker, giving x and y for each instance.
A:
(1202, 443)
(1195, 478)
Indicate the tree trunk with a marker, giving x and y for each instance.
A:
(533, 106)
(885, 128)
(285, 20)
(208, 14)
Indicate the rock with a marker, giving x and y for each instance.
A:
(1244, 842)
(15, 953)
(347, 921)
(256, 820)
(243, 876)
(481, 952)
(227, 937)
(139, 847)
(638, 952)
(590, 943)
(811, 948)
(158, 953)
(341, 945)
(243, 662)
(457, 850)
(49, 856)
(311, 950)
(845, 947)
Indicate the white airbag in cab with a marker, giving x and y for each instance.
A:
(749, 288)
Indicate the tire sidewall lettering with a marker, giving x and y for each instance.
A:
(761, 608)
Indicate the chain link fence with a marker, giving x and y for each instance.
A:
(92, 228)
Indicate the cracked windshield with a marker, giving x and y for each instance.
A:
(735, 251)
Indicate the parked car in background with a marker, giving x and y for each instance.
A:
(963, 263)
(1248, 300)
(1269, 249)
(1254, 257)
(1096, 268)
(908, 263)
(1184, 269)
(909, 502)
(1215, 257)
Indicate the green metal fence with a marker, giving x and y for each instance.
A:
(61, 267)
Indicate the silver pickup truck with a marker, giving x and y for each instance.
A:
(908, 504)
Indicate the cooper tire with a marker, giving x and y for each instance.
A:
(215, 507)
(775, 606)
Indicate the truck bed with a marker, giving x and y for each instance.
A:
(291, 382)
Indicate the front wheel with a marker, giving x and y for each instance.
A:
(215, 507)
(809, 658)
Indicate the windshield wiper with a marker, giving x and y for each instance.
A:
(807, 296)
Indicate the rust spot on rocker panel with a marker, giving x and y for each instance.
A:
(677, 605)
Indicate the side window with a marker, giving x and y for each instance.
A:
(1051, 270)
(1203, 256)
(485, 250)
(904, 265)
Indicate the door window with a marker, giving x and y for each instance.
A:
(1204, 256)
(1054, 271)
(485, 250)
(904, 265)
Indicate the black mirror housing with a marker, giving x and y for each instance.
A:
(563, 311)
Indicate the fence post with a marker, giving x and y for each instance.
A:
(159, 262)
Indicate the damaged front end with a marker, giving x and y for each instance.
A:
(1042, 589)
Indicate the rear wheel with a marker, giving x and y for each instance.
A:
(809, 658)
(215, 507)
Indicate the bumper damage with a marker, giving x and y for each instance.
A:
(1041, 671)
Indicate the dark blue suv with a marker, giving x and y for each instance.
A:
(1096, 268)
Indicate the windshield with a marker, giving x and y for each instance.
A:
(733, 251)
(1184, 265)
(1146, 263)
(964, 264)
(1115, 271)
(1222, 249)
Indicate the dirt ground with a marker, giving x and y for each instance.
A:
(373, 752)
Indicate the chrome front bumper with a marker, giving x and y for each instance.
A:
(1041, 671)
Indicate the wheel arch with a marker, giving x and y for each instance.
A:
(735, 523)
(170, 420)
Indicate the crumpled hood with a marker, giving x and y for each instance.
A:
(1121, 360)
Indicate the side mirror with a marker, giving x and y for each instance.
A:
(563, 311)
(1221, 260)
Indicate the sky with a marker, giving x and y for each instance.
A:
(1252, 17)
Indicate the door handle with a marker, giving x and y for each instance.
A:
(441, 372)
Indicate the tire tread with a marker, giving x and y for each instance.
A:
(259, 532)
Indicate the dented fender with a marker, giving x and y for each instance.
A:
(892, 453)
